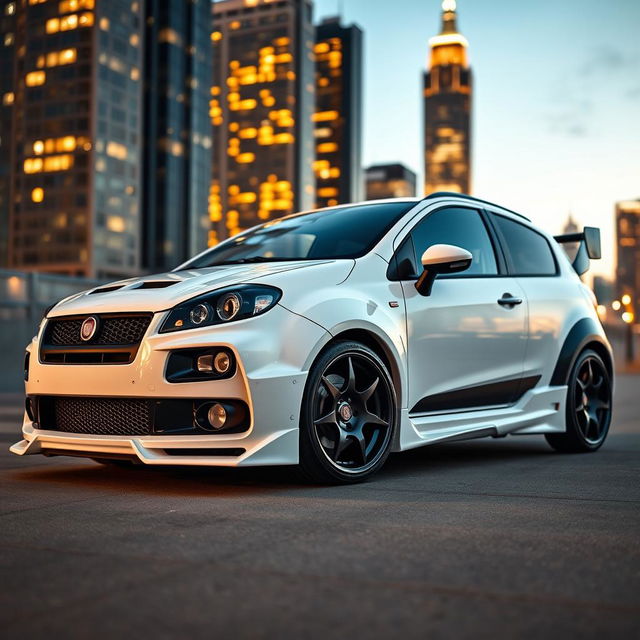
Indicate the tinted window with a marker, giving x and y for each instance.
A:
(347, 232)
(462, 228)
(530, 252)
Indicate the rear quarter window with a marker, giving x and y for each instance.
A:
(528, 250)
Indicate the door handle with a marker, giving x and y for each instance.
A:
(508, 300)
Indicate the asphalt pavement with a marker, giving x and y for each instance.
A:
(486, 539)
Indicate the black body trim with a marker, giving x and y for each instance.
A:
(582, 333)
(505, 392)
(465, 196)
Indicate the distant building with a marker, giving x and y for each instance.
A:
(7, 99)
(389, 181)
(261, 109)
(571, 248)
(177, 131)
(628, 251)
(76, 141)
(447, 109)
(338, 113)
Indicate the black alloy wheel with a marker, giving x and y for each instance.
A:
(348, 415)
(589, 400)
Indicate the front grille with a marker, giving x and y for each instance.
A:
(116, 340)
(112, 330)
(104, 416)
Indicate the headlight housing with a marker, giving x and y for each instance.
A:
(222, 306)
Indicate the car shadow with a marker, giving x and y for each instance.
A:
(233, 483)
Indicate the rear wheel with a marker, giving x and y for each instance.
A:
(348, 415)
(589, 399)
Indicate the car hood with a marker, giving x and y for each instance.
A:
(163, 291)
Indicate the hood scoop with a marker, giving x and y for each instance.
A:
(114, 287)
(155, 284)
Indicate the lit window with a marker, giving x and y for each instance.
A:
(8, 98)
(37, 195)
(10, 9)
(116, 224)
(38, 147)
(35, 78)
(116, 150)
(169, 35)
(135, 74)
(53, 25)
(104, 24)
(324, 116)
(33, 165)
(216, 35)
(134, 40)
(235, 24)
(86, 20)
(245, 158)
(58, 163)
(8, 39)
(67, 56)
(327, 147)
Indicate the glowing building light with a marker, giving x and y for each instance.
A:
(37, 194)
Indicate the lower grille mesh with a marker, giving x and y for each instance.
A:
(104, 416)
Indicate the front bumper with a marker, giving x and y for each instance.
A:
(272, 352)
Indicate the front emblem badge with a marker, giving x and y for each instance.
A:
(88, 328)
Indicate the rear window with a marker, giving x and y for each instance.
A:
(529, 251)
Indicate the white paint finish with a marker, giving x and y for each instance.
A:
(455, 338)
(460, 336)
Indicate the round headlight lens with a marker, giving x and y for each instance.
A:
(199, 314)
(228, 306)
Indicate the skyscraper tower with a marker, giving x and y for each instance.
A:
(447, 109)
(75, 137)
(338, 114)
(262, 100)
(177, 131)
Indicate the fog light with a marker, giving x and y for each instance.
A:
(222, 362)
(217, 416)
(205, 363)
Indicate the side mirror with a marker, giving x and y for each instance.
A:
(439, 259)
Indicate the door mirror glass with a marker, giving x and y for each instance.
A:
(439, 259)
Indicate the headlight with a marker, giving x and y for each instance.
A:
(218, 307)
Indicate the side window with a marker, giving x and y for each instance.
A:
(461, 227)
(530, 252)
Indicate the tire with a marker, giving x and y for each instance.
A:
(348, 415)
(588, 412)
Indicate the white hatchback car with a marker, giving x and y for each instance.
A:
(327, 339)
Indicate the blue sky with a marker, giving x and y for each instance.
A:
(556, 123)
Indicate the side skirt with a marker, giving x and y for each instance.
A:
(538, 411)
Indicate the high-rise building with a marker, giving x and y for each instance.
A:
(628, 251)
(261, 106)
(447, 109)
(338, 113)
(177, 131)
(7, 98)
(390, 181)
(76, 137)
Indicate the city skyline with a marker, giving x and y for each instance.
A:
(556, 77)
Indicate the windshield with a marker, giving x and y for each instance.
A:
(327, 234)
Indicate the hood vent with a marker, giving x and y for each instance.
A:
(155, 284)
(107, 289)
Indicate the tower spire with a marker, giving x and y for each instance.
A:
(449, 16)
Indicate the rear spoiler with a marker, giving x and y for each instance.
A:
(589, 248)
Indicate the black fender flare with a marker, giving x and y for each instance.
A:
(584, 332)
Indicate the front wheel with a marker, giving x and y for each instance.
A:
(589, 399)
(348, 415)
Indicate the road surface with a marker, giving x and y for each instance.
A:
(486, 539)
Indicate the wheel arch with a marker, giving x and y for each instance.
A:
(384, 349)
(585, 334)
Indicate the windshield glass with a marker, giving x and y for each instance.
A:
(327, 234)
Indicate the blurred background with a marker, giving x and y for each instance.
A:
(135, 133)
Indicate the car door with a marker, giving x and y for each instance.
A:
(466, 346)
